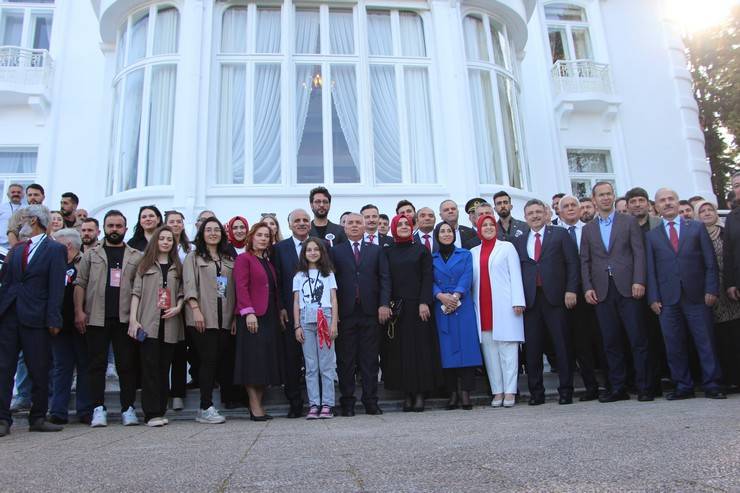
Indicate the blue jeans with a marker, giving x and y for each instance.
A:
(69, 350)
(22, 382)
(321, 363)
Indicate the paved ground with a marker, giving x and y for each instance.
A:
(627, 446)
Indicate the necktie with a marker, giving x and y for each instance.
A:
(427, 243)
(24, 258)
(356, 246)
(673, 236)
(371, 238)
(572, 231)
(537, 254)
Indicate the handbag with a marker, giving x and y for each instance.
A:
(396, 307)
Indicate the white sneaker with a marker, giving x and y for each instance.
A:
(177, 404)
(165, 421)
(210, 416)
(99, 418)
(156, 422)
(497, 402)
(129, 417)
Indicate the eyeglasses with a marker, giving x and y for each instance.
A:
(269, 214)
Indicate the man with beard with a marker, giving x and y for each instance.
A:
(320, 200)
(89, 232)
(68, 208)
(507, 227)
(588, 210)
(7, 209)
(30, 311)
(102, 297)
(35, 194)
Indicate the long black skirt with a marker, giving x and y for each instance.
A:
(259, 356)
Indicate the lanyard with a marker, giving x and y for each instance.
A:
(310, 289)
(219, 265)
(35, 246)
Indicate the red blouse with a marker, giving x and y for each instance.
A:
(485, 300)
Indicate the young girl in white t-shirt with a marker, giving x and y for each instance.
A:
(314, 310)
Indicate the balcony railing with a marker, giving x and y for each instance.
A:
(581, 76)
(25, 70)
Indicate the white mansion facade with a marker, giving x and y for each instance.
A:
(243, 106)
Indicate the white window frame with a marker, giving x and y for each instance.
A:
(592, 177)
(568, 26)
(29, 10)
(21, 178)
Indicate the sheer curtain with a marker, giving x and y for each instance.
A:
(18, 161)
(412, 35)
(137, 47)
(114, 137)
(344, 94)
(161, 124)
(341, 33)
(129, 149)
(386, 144)
(419, 115)
(165, 35)
(513, 158)
(484, 126)
(475, 39)
(121, 49)
(231, 130)
(379, 35)
(306, 41)
(307, 24)
(268, 30)
(12, 29)
(42, 32)
(234, 30)
(267, 123)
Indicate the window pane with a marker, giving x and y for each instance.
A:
(42, 31)
(114, 138)
(128, 157)
(563, 12)
(231, 121)
(268, 30)
(475, 39)
(500, 47)
(12, 28)
(558, 45)
(234, 31)
(161, 124)
(341, 31)
(589, 161)
(379, 36)
(18, 161)
(121, 48)
(267, 123)
(345, 132)
(484, 126)
(412, 35)
(137, 49)
(509, 110)
(581, 188)
(419, 116)
(307, 31)
(386, 135)
(582, 43)
(309, 131)
(165, 37)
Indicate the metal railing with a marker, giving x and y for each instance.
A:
(25, 67)
(580, 76)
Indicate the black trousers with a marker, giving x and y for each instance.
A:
(36, 346)
(615, 312)
(586, 341)
(126, 352)
(358, 347)
(465, 375)
(215, 349)
(656, 348)
(539, 321)
(156, 358)
(728, 350)
(293, 363)
(179, 370)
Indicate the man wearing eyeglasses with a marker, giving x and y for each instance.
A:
(320, 200)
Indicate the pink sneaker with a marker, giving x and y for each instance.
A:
(326, 413)
(313, 413)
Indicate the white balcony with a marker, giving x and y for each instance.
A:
(25, 77)
(583, 86)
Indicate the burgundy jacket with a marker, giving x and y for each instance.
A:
(251, 285)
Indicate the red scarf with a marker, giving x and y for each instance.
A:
(322, 327)
(394, 229)
(230, 232)
(485, 295)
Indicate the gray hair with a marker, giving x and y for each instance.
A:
(70, 234)
(567, 197)
(40, 212)
(664, 190)
(290, 216)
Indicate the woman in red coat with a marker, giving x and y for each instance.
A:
(257, 324)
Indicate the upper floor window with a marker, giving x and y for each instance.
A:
(587, 167)
(17, 165)
(26, 24)
(568, 31)
(144, 100)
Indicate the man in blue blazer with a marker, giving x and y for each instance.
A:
(364, 291)
(550, 268)
(31, 298)
(683, 284)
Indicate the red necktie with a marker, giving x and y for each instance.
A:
(537, 253)
(371, 238)
(24, 258)
(673, 236)
(427, 243)
(356, 252)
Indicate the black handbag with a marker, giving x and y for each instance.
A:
(396, 307)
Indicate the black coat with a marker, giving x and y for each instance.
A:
(731, 250)
(285, 260)
(333, 229)
(371, 277)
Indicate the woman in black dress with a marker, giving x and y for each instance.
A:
(411, 360)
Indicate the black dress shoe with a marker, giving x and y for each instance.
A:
(536, 401)
(295, 412)
(589, 395)
(372, 410)
(645, 397)
(408, 404)
(565, 399)
(452, 403)
(4, 429)
(57, 420)
(348, 412)
(715, 394)
(679, 395)
(614, 397)
(42, 425)
(419, 403)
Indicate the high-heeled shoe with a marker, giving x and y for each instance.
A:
(419, 403)
(264, 417)
(510, 402)
(408, 404)
(452, 403)
(466, 404)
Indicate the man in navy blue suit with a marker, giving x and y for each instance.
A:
(683, 284)
(364, 291)
(550, 268)
(30, 311)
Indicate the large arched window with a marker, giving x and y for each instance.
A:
(144, 100)
(493, 99)
(567, 29)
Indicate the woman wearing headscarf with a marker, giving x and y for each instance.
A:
(455, 315)
(499, 296)
(411, 351)
(236, 232)
(726, 311)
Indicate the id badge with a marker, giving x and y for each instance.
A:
(221, 283)
(312, 312)
(115, 278)
(164, 299)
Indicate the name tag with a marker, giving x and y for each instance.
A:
(221, 283)
(115, 278)
(164, 299)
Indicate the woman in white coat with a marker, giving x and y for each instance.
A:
(499, 307)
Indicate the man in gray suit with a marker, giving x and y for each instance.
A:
(614, 276)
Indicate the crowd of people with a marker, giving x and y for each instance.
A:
(645, 291)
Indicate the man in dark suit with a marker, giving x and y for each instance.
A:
(371, 215)
(550, 268)
(449, 212)
(31, 298)
(320, 200)
(424, 235)
(364, 291)
(613, 275)
(683, 285)
(286, 261)
(507, 228)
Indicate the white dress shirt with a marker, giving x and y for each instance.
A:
(298, 246)
(579, 230)
(532, 238)
(431, 238)
(375, 240)
(677, 224)
(35, 242)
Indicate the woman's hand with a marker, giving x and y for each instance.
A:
(172, 312)
(424, 312)
(199, 319)
(299, 335)
(518, 310)
(133, 328)
(448, 300)
(251, 321)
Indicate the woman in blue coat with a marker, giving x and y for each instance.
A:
(455, 315)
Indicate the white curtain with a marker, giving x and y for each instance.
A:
(137, 47)
(114, 137)
(267, 123)
(234, 30)
(498, 42)
(341, 33)
(18, 161)
(231, 130)
(386, 145)
(506, 98)
(12, 29)
(161, 124)
(307, 25)
(304, 74)
(484, 126)
(475, 39)
(120, 49)
(344, 94)
(129, 149)
(42, 33)
(268, 30)
(419, 115)
(165, 35)
(412, 35)
(379, 37)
